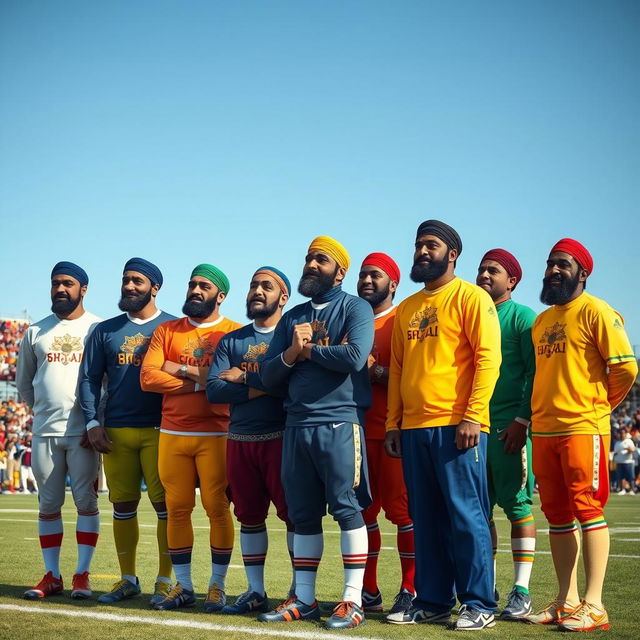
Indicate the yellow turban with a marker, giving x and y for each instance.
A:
(332, 248)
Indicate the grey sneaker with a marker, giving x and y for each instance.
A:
(473, 620)
(371, 601)
(401, 605)
(418, 616)
(518, 606)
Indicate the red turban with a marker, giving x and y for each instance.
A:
(577, 250)
(507, 260)
(384, 262)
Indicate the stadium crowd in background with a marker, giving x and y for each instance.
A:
(11, 332)
(625, 449)
(15, 447)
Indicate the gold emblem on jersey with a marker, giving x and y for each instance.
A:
(65, 349)
(135, 344)
(553, 340)
(423, 324)
(255, 351)
(199, 347)
(320, 332)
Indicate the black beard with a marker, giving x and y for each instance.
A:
(376, 297)
(313, 286)
(428, 272)
(265, 312)
(559, 295)
(197, 309)
(133, 305)
(65, 306)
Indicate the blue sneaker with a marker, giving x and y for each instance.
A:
(121, 590)
(216, 599)
(161, 590)
(247, 602)
(371, 601)
(178, 598)
(290, 611)
(346, 615)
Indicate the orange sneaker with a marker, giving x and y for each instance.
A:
(587, 617)
(80, 587)
(48, 586)
(553, 613)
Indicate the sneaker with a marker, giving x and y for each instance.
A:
(553, 613)
(471, 619)
(80, 587)
(290, 611)
(121, 590)
(48, 586)
(622, 492)
(371, 601)
(346, 615)
(416, 615)
(587, 617)
(178, 597)
(401, 605)
(247, 602)
(216, 599)
(518, 606)
(161, 590)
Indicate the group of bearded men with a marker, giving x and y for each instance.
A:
(434, 410)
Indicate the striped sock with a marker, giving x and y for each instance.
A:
(87, 530)
(593, 525)
(220, 559)
(307, 551)
(254, 543)
(407, 553)
(353, 544)
(50, 532)
(181, 560)
(371, 570)
(126, 535)
(524, 551)
(164, 559)
(562, 529)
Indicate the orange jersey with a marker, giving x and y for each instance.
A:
(575, 345)
(377, 413)
(185, 342)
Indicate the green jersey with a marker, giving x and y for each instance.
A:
(512, 395)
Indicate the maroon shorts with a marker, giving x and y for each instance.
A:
(253, 474)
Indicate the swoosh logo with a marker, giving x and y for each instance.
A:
(335, 425)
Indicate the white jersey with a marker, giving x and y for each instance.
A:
(47, 373)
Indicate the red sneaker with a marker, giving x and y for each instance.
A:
(48, 586)
(80, 587)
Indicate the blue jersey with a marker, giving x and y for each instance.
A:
(333, 386)
(116, 348)
(245, 348)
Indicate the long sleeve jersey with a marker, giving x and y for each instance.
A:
(186, 342)
(48, 370)
(246, 349)
(512, 396)
(116, 348)
(584, 367)
(445, 358)
(333, 386)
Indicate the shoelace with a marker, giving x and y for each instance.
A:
(286, 604)
(342, 610)
(119, 585)
(582, 612)
(215, 593)
(176, 591)
(245, 597)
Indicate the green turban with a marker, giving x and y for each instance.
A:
(214, 274)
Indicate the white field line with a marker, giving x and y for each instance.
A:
(183, 623)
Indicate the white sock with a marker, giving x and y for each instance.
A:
(183, 575)
(524, 550)
(307, 551)
(50, 533)
(354, 545)
(87, 529)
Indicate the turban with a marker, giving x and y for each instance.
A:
(577, 250)
(73, 270)
(384, 262)
(278, 276)
(213, 274)
(447, 234)
(332, 248)
(507, 260)
(146, 268)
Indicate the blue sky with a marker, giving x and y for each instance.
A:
(235, 132)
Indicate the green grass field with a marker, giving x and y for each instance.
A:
(21, 568)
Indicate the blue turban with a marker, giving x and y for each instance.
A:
(73, 270)
(278, 276)
(146, 268)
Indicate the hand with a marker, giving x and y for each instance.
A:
(235, 375)
(302, 333)
(305, 354)
(392, 443)
(514, 436)
(467, 434)
(171, 367)
(99, 439)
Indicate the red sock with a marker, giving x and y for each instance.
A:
(371, 569)
(407, 553)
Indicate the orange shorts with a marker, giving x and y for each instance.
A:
(572, 476)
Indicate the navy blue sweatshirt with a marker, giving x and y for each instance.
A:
(245, 348)
(334, 385)
(117, 347)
